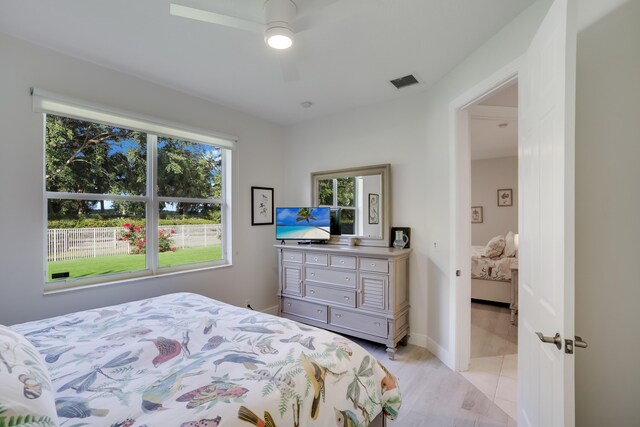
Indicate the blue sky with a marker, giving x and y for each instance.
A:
(287, 216)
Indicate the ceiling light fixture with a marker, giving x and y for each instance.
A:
(279, 37)
(278, 15)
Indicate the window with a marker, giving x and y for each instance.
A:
(340, 193)
(111, 178)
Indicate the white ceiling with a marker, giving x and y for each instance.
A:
(343, 64)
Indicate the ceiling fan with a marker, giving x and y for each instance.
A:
(281, 23)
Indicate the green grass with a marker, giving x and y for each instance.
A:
(122, 263)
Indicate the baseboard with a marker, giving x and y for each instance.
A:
(418, 339)
(442, 354)
(271, 310)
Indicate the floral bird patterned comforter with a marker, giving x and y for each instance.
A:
(186, 360)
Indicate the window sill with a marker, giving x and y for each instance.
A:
(129, 278)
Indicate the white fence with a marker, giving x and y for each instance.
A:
(79, 243)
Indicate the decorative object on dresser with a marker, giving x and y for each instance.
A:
(261, 206)
(360, 200)
(361, 291)
(406, 231)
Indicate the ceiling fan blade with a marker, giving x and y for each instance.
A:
(215, 18)
(337, 11)
(290, 72)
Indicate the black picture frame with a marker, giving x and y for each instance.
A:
(262, 206)
(405, 230)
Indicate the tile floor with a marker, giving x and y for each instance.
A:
(494, 360)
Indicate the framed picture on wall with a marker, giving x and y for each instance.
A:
(476, 214)
(374, 208)
(505, 197)
(261, 206)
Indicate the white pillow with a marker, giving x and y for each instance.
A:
(495, 247)
(510, 245)
(26, 395)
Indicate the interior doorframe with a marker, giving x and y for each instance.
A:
(460, 208)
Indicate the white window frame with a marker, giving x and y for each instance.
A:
(49, 103)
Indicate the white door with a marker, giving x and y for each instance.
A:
(546, 217)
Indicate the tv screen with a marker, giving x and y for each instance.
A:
(303, 223)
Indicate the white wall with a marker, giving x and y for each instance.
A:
(412, 134)
(607, 220)
(487, 176)
(258, 162)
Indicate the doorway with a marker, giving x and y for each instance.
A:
(493, 155)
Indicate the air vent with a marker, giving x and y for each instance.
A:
(404, 81)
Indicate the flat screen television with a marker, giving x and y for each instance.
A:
(303, 223)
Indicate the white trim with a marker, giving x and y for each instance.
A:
(420, 340)
(459, 205)
(153, 207)
(271, 310)
(488, 112)
(94, 196)
(51, 103)
(440, 352)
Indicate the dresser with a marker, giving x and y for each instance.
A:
(354, 290)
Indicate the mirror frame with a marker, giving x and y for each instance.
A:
(385, 175)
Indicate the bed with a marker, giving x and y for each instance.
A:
(494, 272)
(186, 360)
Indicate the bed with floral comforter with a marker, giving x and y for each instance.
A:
(187, 360)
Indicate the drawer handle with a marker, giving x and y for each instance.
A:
(288, 304)
(312, 291)
(341, 262)
(346, 297)
(291, 257)
(373, 264)
(313, 274)
(338, 315)
(315, 259)
(376, 323)
(319, 310)
(347, 278)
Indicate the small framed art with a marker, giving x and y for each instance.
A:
(374, 208)
(261, 206)
(476, 214)
(505, 197)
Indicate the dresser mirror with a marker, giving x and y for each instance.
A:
(359, 200)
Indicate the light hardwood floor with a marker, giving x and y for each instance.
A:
(434, 395)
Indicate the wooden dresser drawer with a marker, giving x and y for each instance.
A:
(342, 261)
(331, 277)
(359, 322)
(335, 296)
(292, 256)
(315, 259)
(374, 264)
(305, 309)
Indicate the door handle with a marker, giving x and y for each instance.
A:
(551, 340)
(579, 342)
(569, 344)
